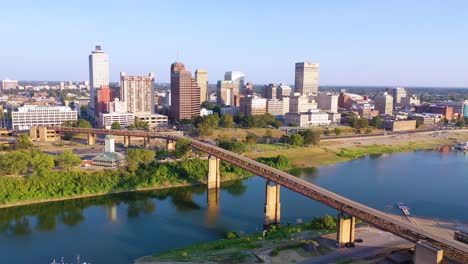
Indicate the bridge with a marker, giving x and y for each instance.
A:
(429, 246)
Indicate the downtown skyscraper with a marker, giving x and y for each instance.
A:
(201, 76)
(306, 78)
(98, 74)
(185, 93)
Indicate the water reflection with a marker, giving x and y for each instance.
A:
(45, 217)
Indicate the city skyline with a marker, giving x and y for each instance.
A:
(359, 43)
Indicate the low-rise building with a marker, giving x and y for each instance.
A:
(26, 116)
(154, 120)
(124, 119)
(205, 112)
(312, 118)
(399, 125)
(276, 108)
(233, 111)
(43, 134)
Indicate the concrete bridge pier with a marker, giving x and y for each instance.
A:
(272, 204)
(126, 141)
(425, 253)
(214, 178)
(345, 230)
(91, 139)
(170, 145)
(146, 142)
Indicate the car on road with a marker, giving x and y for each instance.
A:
(359, 240)
(350, 245)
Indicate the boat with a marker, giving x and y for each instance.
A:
(404, 209)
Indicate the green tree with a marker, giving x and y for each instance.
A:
(147, 156)
(368, 131)
(23, 142)
(460, 123)
(234, 146)
(15, 162)
(182, 148)
(251, 139)
(268, 135)
(82, 123)
(310, 137)
(116, 126)
(227, 121)
(41, 162)
(68, 160)
(376, 121)
(362, 123)
(296, 140)
(329, 222)
(419, 123)
(337, 131)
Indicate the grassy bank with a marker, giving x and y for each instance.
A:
(241, 249)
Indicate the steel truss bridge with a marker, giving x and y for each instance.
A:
(453, 250)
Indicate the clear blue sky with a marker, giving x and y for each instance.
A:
(412, 43)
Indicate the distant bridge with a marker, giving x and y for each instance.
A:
(452, 249)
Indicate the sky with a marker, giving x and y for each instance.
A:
(407, 43)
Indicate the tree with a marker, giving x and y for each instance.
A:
(138, 124)
(376, 121)
(337, 131)
(206, 125)
(182, 148)
(227, 121)
(368, 130)
(296, 140)
(460, 123)
(147, 156)
(268, 135)
(310, 137)
(67, 160)
(419, 123)
(23, 142)
(362, 123)
(116, 126)
(328, 222)
(41, 162)
(238, 147)
(15, 162)
(251, 138)
(82, 123)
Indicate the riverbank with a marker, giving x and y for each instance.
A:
(333, 151)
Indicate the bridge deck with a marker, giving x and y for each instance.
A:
(454, 250)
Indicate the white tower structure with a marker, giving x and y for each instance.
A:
(109, 143)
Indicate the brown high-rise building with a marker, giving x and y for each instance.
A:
(185, 93)
(102, 97)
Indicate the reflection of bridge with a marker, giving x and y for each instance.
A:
(454, 250)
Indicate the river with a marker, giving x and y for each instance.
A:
(122, 227)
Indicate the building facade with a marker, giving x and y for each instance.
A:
(302, 103)
(27, 116)
(185, 93)
(283, 91)
(307, 119)
(138, 93)
(105, 120)
(252, 105)
(201, 76)
(235, 76)
(275, 107)
(98, 74)
(398, 93)
(306, 78)
(270, 91)
(103, 97)
(8, 85)
(328, 102)
(384, 104)
(227, 93)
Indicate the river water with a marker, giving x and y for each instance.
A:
(119, 228)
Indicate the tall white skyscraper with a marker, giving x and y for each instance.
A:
(306, 81)
(98, 74)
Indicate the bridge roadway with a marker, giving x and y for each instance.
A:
(453, 250)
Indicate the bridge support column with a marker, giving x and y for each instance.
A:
(272, 204)
(425, 253)
(213, 180)
(170, 145)
(346, 228)
(126, 141)
(91, 139)
(146, 142)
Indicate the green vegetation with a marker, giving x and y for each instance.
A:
(235, 146)
(361, 151)
(227, 121)
(116, 126)
(257, 121)
(376, 121)
(337, 131)
(182, 148)
(206, 124)
(67, 160)
(310, 137)
(237, 249)
(138, 124)
(44, 183)
(279, 162)
(81, 123)
(23, 142)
